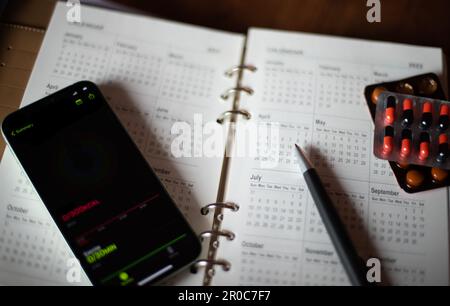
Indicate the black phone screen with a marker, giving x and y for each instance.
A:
(110, 206)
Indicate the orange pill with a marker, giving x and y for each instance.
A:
(439, 175)
(376, 94)
(403, 166)
(414, 179)
(428, 86)
(404, 88)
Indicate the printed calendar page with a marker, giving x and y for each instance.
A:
(312, 86)
(153, 73)
(156, 73)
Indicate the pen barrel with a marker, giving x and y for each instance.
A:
(352, 263)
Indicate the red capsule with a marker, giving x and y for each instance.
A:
(405, 149)
(424, 149)
(427, 107)
(427, 116)
(389, 114)
(408, 113)
(388, 141)
(407, 104)
(388, 145)
(443, 149)
(444, 119)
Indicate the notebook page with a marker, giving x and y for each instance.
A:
(313, 87)
(153, 74)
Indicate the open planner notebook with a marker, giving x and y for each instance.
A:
(155, 73)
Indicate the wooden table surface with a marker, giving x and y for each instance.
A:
(416, 22)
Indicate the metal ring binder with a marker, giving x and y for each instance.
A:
(228, 205)
(226, 114)
(215, 231)
(234, 90)
(228, 234)
(229, 73)
(225, 264)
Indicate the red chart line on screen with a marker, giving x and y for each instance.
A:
(80, 210)
(81, 239)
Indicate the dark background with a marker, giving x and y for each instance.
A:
(421, 22)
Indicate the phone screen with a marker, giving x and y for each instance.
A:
(108, 203)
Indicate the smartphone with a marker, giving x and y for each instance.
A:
(108, 203)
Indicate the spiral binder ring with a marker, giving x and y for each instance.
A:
(224, 233)
(225, 264)
(229, 73)
(215, 232)
(227, 205)
(234, 90)
(226, 114)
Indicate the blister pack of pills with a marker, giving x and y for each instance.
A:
(408, 116)
(412, 130)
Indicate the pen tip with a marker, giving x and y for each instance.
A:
(304, 163)
(299, 149)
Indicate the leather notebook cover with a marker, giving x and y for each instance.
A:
(19, 46)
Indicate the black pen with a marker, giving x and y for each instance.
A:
(352, 263)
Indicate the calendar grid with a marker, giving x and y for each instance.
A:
(355, 207)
